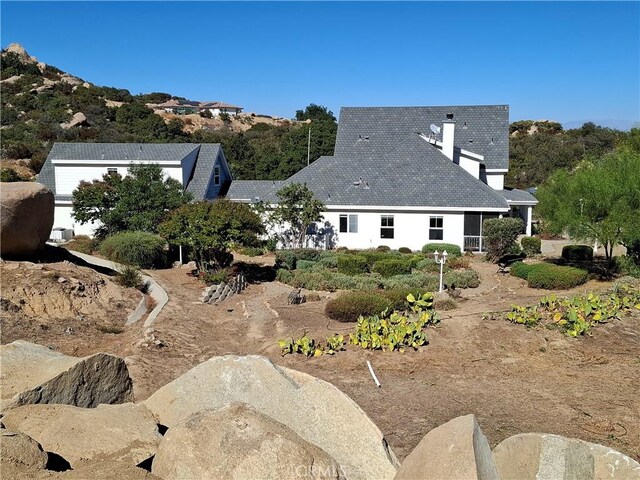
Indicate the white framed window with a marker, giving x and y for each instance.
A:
(436, 228)
(216, 175)
(112, 171)
(348, 223)
(386, 226)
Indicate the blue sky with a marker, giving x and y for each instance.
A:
(547, 60)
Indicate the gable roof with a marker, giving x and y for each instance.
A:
(413, 174)
(206, 155)
(482, 129)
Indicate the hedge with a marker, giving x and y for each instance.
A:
(352, 264)
(305, 264)
(140, 249)
(531, 246)
(452, 250)
(326, 280)
(549, 276)
(350, 305)
(389, 268)
(289, 258)
(464, 278)
(577, 252)
(556, 277)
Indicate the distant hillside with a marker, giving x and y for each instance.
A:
(41, 104)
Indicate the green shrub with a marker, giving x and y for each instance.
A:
(389, 268)
(305, 264)
(514, 249)
(426, 282)
(10, 175)
(465, 278)
(500, 234)
(429, 265)
(405, 250)
(452, 250)
(83, 244)
(216, 277)
(397, 297)
(520, 270)
(251, 251)
(329, 261)
(626, 265)
(352, 264)
(286, 259)
(555, 277)
(350, 305)
(141, 249)
(445, 304)
(531, 246)
(577, 252)
(383, 248)
(283, 275)
(458, 262)
(129, 277)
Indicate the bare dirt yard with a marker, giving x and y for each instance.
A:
(514, 379)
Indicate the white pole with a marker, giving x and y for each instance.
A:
(441, 261)
(181, 255)
(375, 379)
(309, 146)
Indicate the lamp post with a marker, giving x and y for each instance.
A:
(440, 258)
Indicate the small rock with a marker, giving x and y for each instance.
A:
(62, 280)
(20, 449)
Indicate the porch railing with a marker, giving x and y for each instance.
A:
(473, 243)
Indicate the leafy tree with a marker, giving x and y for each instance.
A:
(297, 209)
(315, 112)
(209, 229)
(599, 201)
(500, 235)
(139, 201)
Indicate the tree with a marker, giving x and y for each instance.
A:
(500, 235)
(209, 229)
(139, 201)
(297, 209)
(315, 112)
(599, 201)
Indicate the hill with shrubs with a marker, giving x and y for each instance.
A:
(41, 104)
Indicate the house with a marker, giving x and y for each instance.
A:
(185, 107)
(406, 176)
(201, 169)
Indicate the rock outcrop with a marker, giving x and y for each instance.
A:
(456, 450)
(79, 119)
(26, 218)
(531, 456)
(35, 374)
(237, 442)
(125, 433)
(315, 410)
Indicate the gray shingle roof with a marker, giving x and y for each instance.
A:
(513, 195)
(197, 185)
(249, 190)
(413, 174)
(482, 129)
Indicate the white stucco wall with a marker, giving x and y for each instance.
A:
(495, 180)
(471, 166)
(411, 229)
(63, 219)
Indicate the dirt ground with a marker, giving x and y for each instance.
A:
(512, 378)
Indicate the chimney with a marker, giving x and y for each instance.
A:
(448, 128)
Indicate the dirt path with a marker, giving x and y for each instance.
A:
(514, 379)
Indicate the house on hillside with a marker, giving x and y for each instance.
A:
(185, 107)
(406, 176)
(201, 169)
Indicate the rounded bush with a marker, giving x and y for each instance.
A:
(531, 246)
(352, 264)
(383, 248)
(520, 270)
(577, 252)
(465, 278)
(555, 277)
(389, 268)
(452, 250)
(329, 261)
(83, 244)
(141, 249)
(350, 305)
(405, 250)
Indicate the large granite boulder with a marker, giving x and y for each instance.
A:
(125, 433)
(538, 455)
(20, 450)
(314, 409)
(455, 450)
(35, 374)
(237, 442)
(26, 218)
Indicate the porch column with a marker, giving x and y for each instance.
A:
(527, 216)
